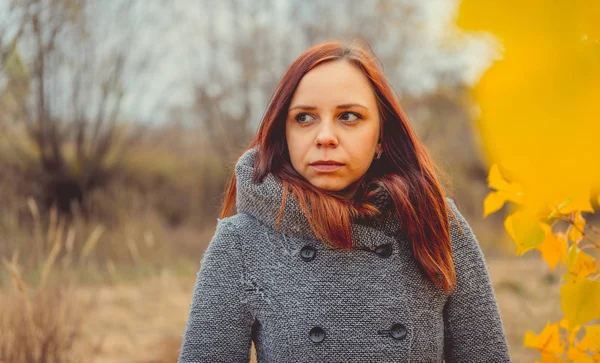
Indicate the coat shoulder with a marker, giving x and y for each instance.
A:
(451, 203)
(239, 224)
(454, 214)
(460, 230)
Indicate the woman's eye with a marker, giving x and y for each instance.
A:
(300, 118)
(350, 116)
(303, 118)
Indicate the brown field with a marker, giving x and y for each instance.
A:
(143, 321)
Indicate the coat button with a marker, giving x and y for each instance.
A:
(384, 251)
(316, 334)
(307, 253)
(398, 331)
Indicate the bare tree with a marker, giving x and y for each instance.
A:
(65, 95)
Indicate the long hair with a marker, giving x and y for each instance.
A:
(405, 168)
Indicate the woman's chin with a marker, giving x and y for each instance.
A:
(344, 190)
(330, 187)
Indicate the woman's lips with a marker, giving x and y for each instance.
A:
(326, 168)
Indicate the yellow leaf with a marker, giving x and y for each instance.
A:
(493, 202)
(576, 203)
(548, 341)
(495, 179)
(525, 230)
(584, 359)
(575, 352)
(551, 358)
(580, 300)
(563, 324)
(572, 332)
(509, 190)
(575, 233)
(554, 247)
(579, 263)
(591, 340)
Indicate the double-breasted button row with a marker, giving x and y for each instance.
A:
(308, 253)
(397, 331)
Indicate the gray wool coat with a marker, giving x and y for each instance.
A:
(300, 301)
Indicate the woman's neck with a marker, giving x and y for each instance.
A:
(350, 191)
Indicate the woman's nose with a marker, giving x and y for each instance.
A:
(326, 135)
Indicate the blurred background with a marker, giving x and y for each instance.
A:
(120, 122)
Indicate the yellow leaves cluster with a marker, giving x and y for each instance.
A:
(553, 345)
(530, 227)
(548, 341)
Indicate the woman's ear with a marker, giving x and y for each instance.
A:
(379, 151)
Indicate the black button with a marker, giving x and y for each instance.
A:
(316, 334)
(307, 253)
(398, 331)
(384, 251)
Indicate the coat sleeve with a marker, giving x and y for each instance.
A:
(219, 323)
(473, 328)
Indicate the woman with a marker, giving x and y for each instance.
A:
(344, 247)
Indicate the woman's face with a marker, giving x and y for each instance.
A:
(334, 117)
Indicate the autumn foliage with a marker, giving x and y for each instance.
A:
(535, 228)
(538, 121)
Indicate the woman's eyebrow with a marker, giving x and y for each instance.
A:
(346, 105)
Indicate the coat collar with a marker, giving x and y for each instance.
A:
(262, 201)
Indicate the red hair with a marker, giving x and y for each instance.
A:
(405, 168)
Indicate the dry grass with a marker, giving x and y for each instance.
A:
(140, 322)
(43, 321)
(47, 304)
(137, 245)
(40, 324)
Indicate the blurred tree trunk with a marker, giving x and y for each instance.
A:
(51, 97)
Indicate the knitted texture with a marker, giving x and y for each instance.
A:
(301, 301)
